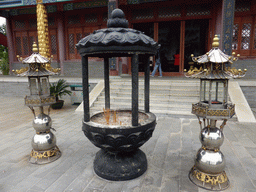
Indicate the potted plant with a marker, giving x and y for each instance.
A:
(59, 89)
(4, 61)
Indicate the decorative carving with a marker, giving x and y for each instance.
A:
(224, 113)
(119, 142)
(39, 100)
(209, 178)
(116, 38)
(117, 19)
(203, 111)
(44, 154)
(116, 35)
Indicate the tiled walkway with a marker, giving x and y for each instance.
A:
(170, 154)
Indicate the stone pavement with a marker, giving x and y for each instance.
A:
(170, 153)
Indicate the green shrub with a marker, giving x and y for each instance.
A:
(59, 89)
(4, 62)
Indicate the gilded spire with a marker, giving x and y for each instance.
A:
(43, 34)
(216, 41)
(35, 49)
(42, 30)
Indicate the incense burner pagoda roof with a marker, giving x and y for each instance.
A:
(36, 66)
(213, 65)
(116, 40)
(36, 70)
(35, 58)
(215, 55)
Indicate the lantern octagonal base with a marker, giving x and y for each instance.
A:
(44, 157)
(39, 101)
(213, 182)
(120, 166)
(204, 111)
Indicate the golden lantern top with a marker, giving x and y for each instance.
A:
(36, 65)
(39, 1)
(212, 64)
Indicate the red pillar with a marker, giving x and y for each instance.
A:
(219, 20)
(3, 40)
(11, 50)
(61, 42)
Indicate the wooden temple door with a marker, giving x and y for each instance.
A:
(22, 44)
(253, 34)
(243, 36)
(169, 36)
(53, 43)
(195, 40)
(74, 36)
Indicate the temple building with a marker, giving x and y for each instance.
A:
(181, 27)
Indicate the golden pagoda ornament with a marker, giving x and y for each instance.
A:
(42, 30)
(43, 34)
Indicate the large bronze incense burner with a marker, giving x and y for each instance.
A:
(119, 157)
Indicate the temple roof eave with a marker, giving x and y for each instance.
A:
(215, 55)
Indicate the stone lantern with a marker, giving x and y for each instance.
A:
(214, 73)
(43, 143)
(119, 133)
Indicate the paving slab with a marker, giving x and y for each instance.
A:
(170, 153)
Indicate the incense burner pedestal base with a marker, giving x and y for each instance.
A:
(120, 166)
(214, 182)
(44, 157)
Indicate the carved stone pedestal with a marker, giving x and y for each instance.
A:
(120, 166)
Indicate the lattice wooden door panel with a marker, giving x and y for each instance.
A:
(254, 38)
(22, 44)
(33, 37)
(53, 43)
(235, 36)
(143, 14)
(246, 35)
(25, 40)
(243, 36)
(74, 36)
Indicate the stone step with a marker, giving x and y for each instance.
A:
(158, 95)
(166, 96)
(165, 85)
(118, 105)
(153, 80)
(180, 100)
(158, 112)
(157, 91)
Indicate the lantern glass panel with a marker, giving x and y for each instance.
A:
(204, 93)
(217, 93)
(45, 86)
(33, 86)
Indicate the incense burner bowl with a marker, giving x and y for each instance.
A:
(119, 157)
